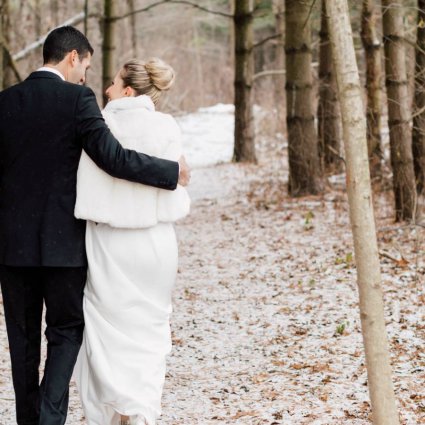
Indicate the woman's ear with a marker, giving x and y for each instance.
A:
(128, 91)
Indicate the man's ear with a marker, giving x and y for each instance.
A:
(73, 57)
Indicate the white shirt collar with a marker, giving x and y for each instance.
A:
(55, 71)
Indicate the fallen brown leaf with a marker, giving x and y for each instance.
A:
(242, 414)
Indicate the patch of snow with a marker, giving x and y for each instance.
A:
(208, 135)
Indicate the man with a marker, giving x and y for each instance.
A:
(45, 122)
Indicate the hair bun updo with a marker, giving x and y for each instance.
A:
(161, 74)
(150, 77)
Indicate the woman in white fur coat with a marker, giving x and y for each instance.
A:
(132, 256)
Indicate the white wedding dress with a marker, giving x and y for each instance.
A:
(132, 255)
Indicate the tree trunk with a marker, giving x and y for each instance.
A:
(86, 17)
(244, 150)
(9, 73)
(372, 47)
(108, 46)
(232, 32)
(304, 171)
(54, 9)
(2, 61)
(9, 77)
(418, 138)
(133, 23)
(361, 215)
(197, 56)
(328, 114)
(399, 114)
(38, 28)
(279, 13)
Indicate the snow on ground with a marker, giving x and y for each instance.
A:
(207, 135)
(265, 325)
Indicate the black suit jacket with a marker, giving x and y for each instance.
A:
(44, 124)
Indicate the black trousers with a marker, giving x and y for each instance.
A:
(24, 290)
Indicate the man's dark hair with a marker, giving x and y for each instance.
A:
(63, 40)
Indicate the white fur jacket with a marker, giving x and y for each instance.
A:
(120, 203)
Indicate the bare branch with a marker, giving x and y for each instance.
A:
(269, 72)
(215, 12)
(185, 2)
(276, 71)
(10, 59)
(77, 19)
(12, 63)
(25, 52)
(309, 13)
(144, 9)
(265, 40)
(418, 112)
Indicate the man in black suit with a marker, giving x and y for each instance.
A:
(45, 122)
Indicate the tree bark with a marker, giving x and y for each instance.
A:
(9, 77)
(2, 47)
(361, 215)
(232, 32)
(279, 13)
(86, 17)
(244, 150)
(374, 74)
(399, 111)
(54, 9)
(304, 171)
(108, 45)
(133, 23)
(418, 139)
(38, 28)
(328, 113)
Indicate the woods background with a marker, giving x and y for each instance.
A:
(273, 59)
(269, 53)
(195, 43)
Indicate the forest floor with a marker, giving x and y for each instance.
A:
(266, 324)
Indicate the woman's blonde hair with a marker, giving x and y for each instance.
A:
(150, 78)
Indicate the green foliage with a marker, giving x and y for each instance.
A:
(264, 17)
(308, 220)
(214, 29)
(347, 260)
(340, 329)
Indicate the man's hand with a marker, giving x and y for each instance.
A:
(184, 174)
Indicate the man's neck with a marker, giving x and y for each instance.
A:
(53, 68)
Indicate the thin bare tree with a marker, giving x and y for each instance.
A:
(108, 45)
(381, 390)
(399, 110)
(328, 113)
(54, 10)
(418, 138)
(374, 76)
(86, 17)
(10, 73)
(232, 31)
(304, 170)
(2, 46)
(133, 25)
(279, 13)
(37, 15)
(244, 150)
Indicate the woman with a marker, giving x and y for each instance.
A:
(132, 255)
